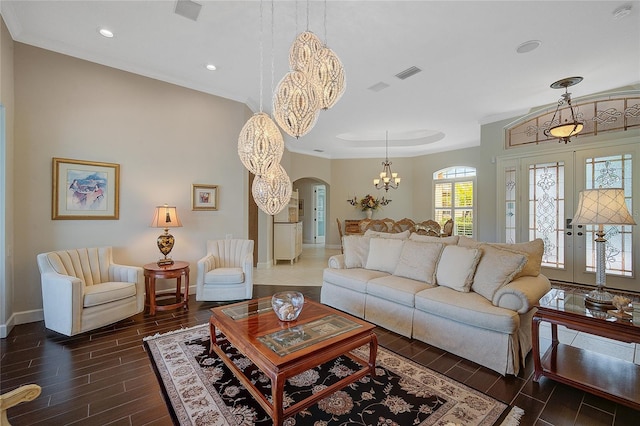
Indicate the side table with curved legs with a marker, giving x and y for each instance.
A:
(178, 270)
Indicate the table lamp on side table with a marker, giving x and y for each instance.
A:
(604, 206)
(166, 217)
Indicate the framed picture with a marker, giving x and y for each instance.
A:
(204, 197)
(85, 190)
(300, 208)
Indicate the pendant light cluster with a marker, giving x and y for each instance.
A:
(316, 81)
(260, 148)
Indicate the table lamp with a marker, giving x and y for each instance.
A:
(604, 206)
(165, 217)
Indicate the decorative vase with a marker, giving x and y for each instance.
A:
(369, 213)
(287, 305)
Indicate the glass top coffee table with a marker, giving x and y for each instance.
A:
(285, 349)
(602, 375)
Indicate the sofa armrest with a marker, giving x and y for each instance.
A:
(337, 261)
(522, 294)
(62, 300)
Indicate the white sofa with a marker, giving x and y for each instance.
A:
(472, 299)
(83, 289)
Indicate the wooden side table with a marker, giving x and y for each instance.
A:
(178, 270)
(589, 371)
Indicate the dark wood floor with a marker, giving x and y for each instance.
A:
(105, 376)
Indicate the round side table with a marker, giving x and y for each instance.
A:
(178, 270)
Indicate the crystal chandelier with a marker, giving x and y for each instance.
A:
(260, 143)
(295, 104)
(272, 191)
(387, 179)
(564, 130)
(329, 75)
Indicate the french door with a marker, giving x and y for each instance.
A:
(319, 216)
(539, 198)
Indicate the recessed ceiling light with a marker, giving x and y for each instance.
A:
(621, 12)
(105, 33)
(211, 67)
(528, 46)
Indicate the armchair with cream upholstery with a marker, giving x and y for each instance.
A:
(226, 272)
(83, 289)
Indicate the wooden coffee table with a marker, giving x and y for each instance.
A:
(602, 375)
(285, 349)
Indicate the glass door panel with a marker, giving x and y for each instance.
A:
(548, 178)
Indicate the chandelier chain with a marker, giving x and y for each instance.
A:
(261, 54)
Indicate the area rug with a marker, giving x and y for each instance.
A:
(201, 390)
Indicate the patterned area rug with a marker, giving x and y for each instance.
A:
(202, 391)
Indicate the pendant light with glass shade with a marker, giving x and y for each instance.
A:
(260, 143)
(557, 128)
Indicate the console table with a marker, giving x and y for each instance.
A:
(602, 375)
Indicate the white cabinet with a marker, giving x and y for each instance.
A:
(287, 241)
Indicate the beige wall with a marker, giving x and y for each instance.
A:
(164, 137)
(6, 179)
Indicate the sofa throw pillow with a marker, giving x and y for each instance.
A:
(456, 267)
(397, 235)
(496, 269)
(356, 249)
(465, 241)
(533, 250)
(418, 261)
(429, 239)
(384, 254)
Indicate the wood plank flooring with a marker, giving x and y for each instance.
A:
(105, 377)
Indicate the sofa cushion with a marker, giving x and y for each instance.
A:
(418, 261)
(224, 276)
(496, 269)
(396, 289)
(471, 309)
(384, 254)
(354, 279)
(533, 250)
(356, 250)
(457, 266)
(430, 239)
(99, 294)
(394, 235)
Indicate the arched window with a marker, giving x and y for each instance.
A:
(454, 198)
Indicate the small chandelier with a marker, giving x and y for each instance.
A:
(387, 179)
(564, 130)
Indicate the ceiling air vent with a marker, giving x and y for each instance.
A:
(403, 75)
(189, 9)
(379, 86)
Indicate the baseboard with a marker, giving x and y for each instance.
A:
(265, 265)
(20, 318)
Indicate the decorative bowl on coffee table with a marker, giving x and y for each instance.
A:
(287, 305)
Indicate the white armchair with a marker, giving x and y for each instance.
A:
(82, 289)
(226, 272)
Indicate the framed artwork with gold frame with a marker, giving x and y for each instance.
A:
(204, 197)
(85, 190)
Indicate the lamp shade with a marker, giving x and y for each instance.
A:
(604, 206)
(166, 217)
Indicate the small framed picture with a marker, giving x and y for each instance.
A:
(85, 190)
(204, 197)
